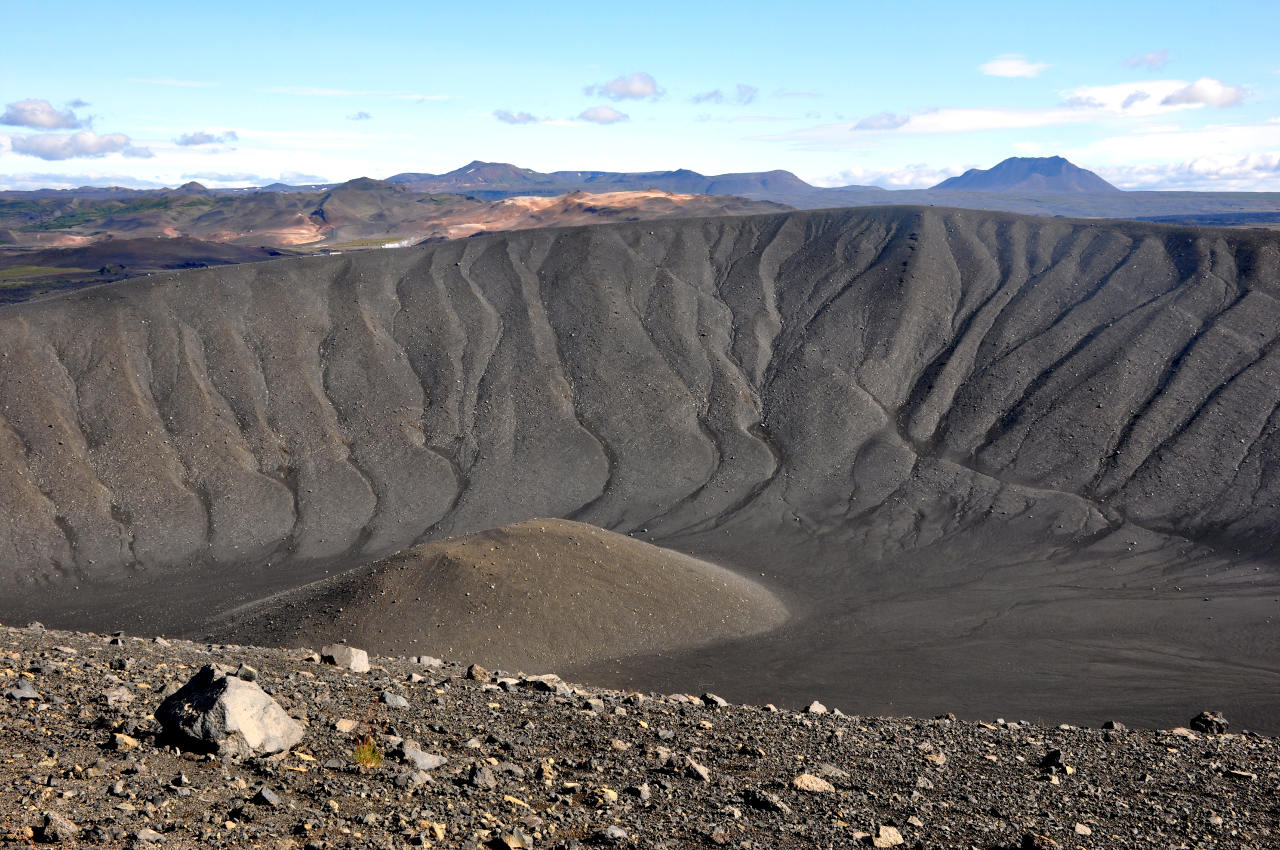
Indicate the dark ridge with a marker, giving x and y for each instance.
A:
(1048, 174)
(985, 459)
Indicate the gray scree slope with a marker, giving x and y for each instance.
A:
(880, 380)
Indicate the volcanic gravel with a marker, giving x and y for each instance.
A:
(535, 762)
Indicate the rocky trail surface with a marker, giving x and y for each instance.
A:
(456, 756)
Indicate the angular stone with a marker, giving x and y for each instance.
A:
(546, 682)
(393, 700)
(23, 690)
(765, 801)
(482, 777)
(610, 835)
(697, 771)
(123, 743)
(57, 828)
(421, 759)
(713, 701)
(217, 711)
(811, 783)
(1209, 722)
(117, 696)
(815, 707)
(887, 836)
(267, 797)
(1052, 762)
(348, 657)
(640, 792)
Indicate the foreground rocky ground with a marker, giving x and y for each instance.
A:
(455, 756)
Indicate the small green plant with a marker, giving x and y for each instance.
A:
(367, 753)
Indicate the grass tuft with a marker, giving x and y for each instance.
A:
(367, 753)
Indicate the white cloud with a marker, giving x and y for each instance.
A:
(1226, 142)
(190, 140)
(1012, 65)
(1153, 97)
(993, 118)
(636, 86)
(1135, 97)
(882, 121)
(1252, 172)
(1206, 91)
(1081, 105)
(420, 98)
(742, 96)
(914, 176)
(245, 178)
(509, 117)
(32, 181)
(602, 115)
(40, 115)
(84, 144)
(183, 84)
(1153, 61)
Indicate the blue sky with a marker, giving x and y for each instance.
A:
(1150, 95)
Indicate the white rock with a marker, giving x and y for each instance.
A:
(340, 655)
(218, 711)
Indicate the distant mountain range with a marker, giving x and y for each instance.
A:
(1034, 185)
(372, 212)
(1046, 174)
(492, 180)
(1027, 175)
